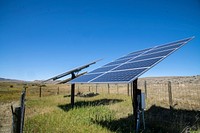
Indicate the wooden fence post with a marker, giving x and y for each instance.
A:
(131, 90)
(89, 88)
(128, 89)
(58, 91)
(40, 94)
(18, 115)
(96, 89)
(16, 119)
(108, 89)
(145, 88)
(117, 89)
(78, 88)
(170, 95)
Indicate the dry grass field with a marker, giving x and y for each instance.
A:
(110, 111)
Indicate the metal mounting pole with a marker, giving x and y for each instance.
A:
(72, 90)
(135, 92)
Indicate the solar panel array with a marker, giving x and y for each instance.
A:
(130, 67)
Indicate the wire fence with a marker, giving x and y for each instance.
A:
(164, 94)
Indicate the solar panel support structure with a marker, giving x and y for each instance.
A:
(73, 76)
(136, 93)
(72, 90)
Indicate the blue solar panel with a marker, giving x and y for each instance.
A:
(177, 42)
(147, 56)
(139, 64)
(128, 56)
(86, 78)
(103, 69)
(140, 51)
(117, 62)
(123, 76)
(163, 48)
(129, 67)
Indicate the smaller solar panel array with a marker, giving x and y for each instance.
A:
(131, 66)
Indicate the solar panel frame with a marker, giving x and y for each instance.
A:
(134, 59)
(176, 42)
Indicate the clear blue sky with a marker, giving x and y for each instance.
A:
(42, 38)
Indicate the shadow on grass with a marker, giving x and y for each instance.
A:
(88, 94)
(158, 120)
(122, 125)
(99, 102)
(161, 119)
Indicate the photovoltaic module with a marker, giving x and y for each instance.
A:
(130, 67)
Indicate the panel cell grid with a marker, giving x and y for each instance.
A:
(85, 78)
(120, 76)
(163, 48)
(117, 62)
(177, 42)
(160, 54)
(139, 64)
(103, 69)
(131, 66)
(139, 52)
(129, 56)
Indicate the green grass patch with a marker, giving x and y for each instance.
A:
(76, 120)
(56, 115)
(103, 114)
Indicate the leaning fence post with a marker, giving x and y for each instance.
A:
(18, 115)
(170, 94)
(15, 119)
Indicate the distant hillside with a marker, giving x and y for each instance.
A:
(11, 80)
(175, 79)
(48, 82)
